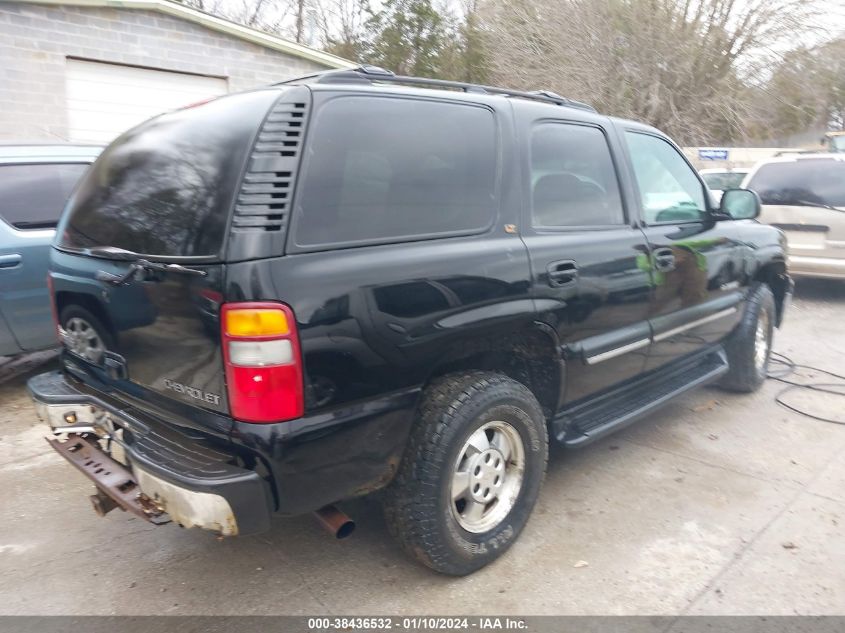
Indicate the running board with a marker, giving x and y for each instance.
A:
(586, 422)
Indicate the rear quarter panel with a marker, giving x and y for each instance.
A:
(374, 323)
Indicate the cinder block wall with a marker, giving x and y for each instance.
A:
(35, 41)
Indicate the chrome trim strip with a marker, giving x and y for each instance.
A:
(613, 353)
(688, 326)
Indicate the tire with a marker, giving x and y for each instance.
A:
(750, 345)
(80, 323)
(449, 536)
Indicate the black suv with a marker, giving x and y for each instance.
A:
(354, 282)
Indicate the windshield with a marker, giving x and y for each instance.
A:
(806, 181)
(723, 179)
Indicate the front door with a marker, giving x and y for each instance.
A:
(590, 275)
(697, 266)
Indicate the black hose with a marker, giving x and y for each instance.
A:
(781, 367)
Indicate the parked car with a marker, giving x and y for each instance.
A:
(416, 296)
(35, 182)
(834, 141)
(804, 195)
(720, 180)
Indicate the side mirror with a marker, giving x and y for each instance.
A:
(740, 204)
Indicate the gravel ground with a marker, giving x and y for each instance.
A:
(718, 504)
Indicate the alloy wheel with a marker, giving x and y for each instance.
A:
(84, 340)
(487, 476)
(761, 341)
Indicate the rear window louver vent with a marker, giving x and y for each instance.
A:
(263, 203)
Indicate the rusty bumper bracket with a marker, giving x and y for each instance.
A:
(111, 478)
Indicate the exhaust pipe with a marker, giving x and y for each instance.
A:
(336, 522)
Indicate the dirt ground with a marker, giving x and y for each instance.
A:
(718, 504)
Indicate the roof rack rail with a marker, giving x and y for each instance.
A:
(373, 74)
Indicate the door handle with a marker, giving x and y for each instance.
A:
(10, 261)
(562, 273)
(664, 259)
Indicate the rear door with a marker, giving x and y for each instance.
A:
(32, 196)
(164, 191)
(590, 275)
(698, 266)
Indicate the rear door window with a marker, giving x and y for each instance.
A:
(32, 196)
(573, 180)
(807, 181)
(389, 169)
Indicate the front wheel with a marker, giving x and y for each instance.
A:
(750, 345)
(471, 473)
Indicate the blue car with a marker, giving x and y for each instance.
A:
(35, 182)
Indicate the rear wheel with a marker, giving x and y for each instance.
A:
(750, 345)
(86, 335)
(471, 473)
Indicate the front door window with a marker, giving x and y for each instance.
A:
(670, 191)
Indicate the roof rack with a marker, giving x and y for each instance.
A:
(374, 74)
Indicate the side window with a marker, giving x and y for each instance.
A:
(573, 181)
(382, 169)
(670, 190)
(33, 196)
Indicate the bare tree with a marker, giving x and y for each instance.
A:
(272, 16)
(682, 65)
(300, 20)
(341, 24)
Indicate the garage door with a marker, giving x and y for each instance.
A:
(104, 100)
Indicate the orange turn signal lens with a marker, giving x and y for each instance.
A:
(256, 322)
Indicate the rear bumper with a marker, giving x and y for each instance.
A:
(824, 267)
(194, 483)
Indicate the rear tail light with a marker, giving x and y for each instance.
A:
(263, 363)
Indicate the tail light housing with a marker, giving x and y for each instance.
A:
(263, 362)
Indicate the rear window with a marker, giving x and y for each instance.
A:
(166, 187)
(33, 196)
(802, 182)
(388, 169)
